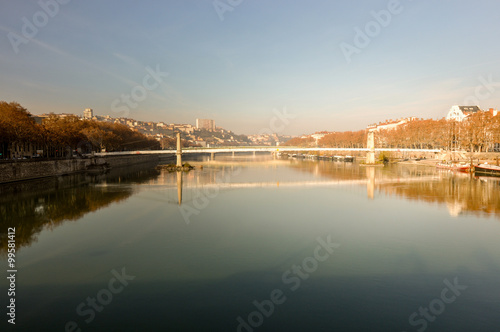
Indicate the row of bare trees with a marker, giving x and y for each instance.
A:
(300, 142)
(346, 139)
(477, 133)
(56, 136)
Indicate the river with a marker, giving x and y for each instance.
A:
(255, 244)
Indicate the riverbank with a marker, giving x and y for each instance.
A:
(477, 158)
(34, 169)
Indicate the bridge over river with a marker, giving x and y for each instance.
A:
(273, 149)
(370, 150)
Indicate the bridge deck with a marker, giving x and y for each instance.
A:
(259, 149)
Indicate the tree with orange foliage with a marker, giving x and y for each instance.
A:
(16, 127)
(61, 136)
(300, 142)
(346, 139)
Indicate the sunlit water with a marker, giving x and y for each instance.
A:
(256, 245)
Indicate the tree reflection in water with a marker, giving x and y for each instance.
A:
(32, 206)
(461, 192)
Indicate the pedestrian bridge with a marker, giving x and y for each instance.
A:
(273, 149)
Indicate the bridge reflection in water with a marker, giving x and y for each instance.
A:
(33, 206)
(460, 192)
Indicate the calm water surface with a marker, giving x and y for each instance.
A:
(256, 245)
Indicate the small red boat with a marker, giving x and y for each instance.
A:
(454, 167)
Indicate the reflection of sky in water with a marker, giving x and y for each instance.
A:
(266, 227)
(398, 242)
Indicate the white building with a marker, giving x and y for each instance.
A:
(390, 124)
(318, 136)
(88, 113)
(459, 113)
(207, 124)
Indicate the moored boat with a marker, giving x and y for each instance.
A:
(454, 167)
(487, 169)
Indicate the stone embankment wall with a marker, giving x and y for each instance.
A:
(119, 161)
(34, 169)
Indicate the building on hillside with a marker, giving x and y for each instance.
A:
(459, 113)
(39, 118)
(203, 144)
(319, 135)
(494, 112)
(88, 113)
(60, 115)
(187, 128)
(390, 124)
(207, 124)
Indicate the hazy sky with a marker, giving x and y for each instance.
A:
(240, 62)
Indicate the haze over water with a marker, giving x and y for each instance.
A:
(399, 235)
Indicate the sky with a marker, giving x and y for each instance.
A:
(290, 67)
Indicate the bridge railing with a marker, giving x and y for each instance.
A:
(260, 149)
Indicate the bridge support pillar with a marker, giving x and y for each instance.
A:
(233, 154)
(370, 144)
(179, 187)
(370, 184)
(179, 151)
(254, 154)
(212, 156)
